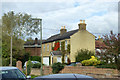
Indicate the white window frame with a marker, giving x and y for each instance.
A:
(60, 45)
(47, 47)
(44, 48)
(65, 44)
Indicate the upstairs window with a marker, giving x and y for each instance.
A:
(47, 47)
(44, 48)
(65, 44)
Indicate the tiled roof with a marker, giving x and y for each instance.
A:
(61, 37)
(33, 42)
(56, 52)
(99, 44)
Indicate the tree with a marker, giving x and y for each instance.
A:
(83, 54)
(19, 24)
(113, 49)
(17, 27)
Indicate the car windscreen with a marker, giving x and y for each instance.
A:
(13, 73)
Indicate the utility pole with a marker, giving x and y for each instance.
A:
(11, 52)
(11, 42)
(40, 24)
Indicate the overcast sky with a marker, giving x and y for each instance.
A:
(100, 16)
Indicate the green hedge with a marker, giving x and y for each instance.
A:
(57, 67)
(112, 66)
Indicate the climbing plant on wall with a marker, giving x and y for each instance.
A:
(56, 47)
(63, 50)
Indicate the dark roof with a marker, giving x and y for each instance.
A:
(100, 44)
(61, 37)
(33, 42)
(56, 52)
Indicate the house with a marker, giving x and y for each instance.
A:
(33, 47)
(77, 39)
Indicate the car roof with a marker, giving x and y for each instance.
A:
(66, 75)
(7, 68)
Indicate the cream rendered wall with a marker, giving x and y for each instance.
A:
(51, 44)
(81, 40)
(46, 53)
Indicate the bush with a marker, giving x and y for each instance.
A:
(83, 54)
(91, 62)
(57, 67)
(35, 58)
(112, 66)
(6, 61)
(29, 66)
(37, 65)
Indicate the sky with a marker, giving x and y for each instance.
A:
(100, 16)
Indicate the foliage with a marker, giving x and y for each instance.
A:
(6, 61)
(18, 26)
(57, 67)
(112, 52)
(63, 51)
(68, 61)
(29, 66)
(91, 62)
(68, 48)
(35, 58)
(83, 54)
(57, 46)
(112, 66)
(36, 65)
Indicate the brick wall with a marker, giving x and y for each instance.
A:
(85, 70)
(33, 51)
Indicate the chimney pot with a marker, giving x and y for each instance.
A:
(63, 30)
(80, 21)
(84, 21)
(64, 27)
(82, 25)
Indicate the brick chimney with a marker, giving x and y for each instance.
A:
(82, 25)
(63, 30)
(36, 40)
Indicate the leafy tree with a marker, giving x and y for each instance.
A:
(83, 54)
(113, 49)
(18, 26)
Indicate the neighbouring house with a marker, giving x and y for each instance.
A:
(77, 39)
(33, 47)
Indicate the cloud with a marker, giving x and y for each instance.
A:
(100, 16)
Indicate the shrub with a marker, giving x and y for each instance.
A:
(37, 65)
(112, 66)
(6, 61)
(91, 62)
(83, 54)
(29, 66)
(57, 67)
